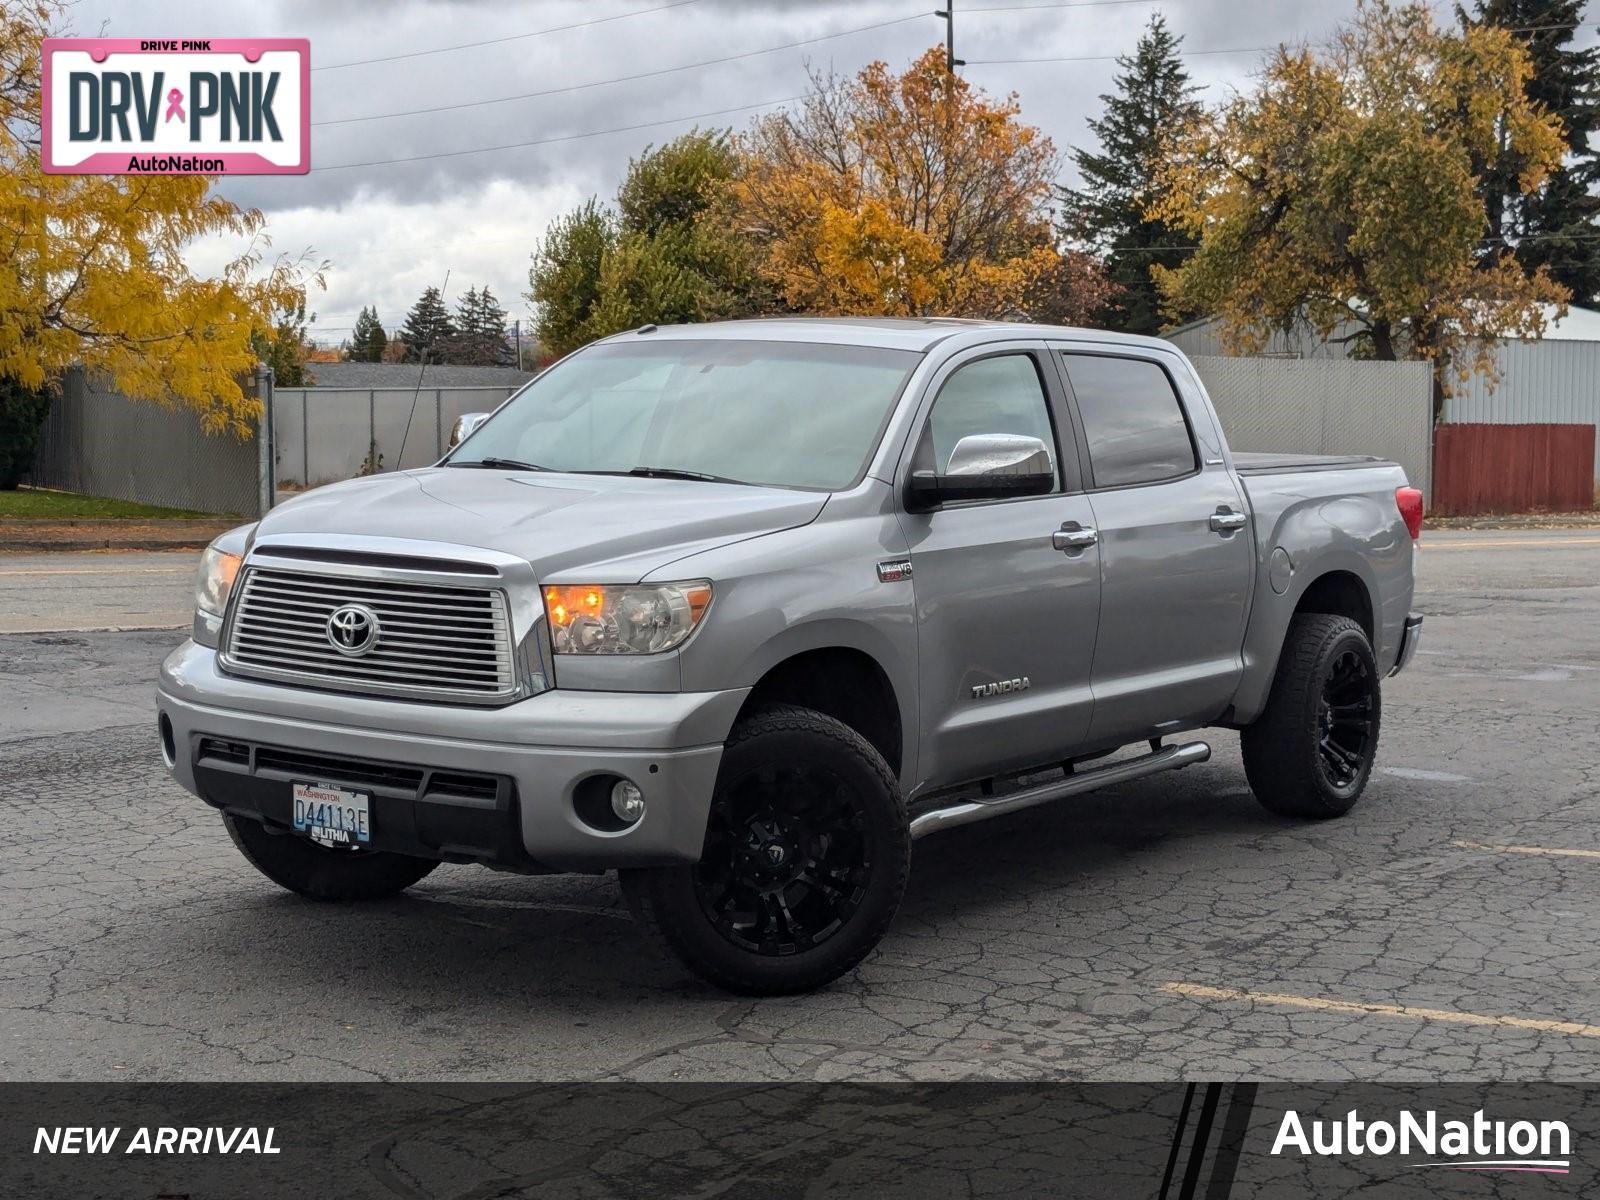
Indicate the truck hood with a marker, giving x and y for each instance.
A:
(615, 529)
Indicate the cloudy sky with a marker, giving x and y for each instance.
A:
(397, 197)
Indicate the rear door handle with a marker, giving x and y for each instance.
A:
(1072, 537)
(1225, 520)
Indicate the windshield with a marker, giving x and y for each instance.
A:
(783, 414)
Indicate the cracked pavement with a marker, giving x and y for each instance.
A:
(135, 943)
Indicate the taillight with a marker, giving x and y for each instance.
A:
(1409, 501)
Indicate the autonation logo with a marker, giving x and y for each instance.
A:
(1476, 1145)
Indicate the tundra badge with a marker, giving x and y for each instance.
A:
(981, 691)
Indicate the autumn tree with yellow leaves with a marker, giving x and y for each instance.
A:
(1341, 193)
(909, 195)
(92, 268)
(897, 195)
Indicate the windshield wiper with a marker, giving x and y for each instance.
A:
(675, 473)
(499, 464)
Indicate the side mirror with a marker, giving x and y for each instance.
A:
(465, 424)
(986, 466)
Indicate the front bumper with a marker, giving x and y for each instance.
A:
(530, 760)
(1410, 639)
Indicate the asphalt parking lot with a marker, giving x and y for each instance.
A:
(1168, 928)
(50, 592)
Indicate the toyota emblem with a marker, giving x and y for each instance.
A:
(352, 630)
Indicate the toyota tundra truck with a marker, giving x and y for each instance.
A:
(742, 610)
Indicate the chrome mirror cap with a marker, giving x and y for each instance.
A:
(465, 424)
(1000, 454)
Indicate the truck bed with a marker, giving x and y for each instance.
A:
(1247, 463)
(1320, 512)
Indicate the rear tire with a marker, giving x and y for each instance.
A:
(805, 862)
(310, 870)
(1311, 751)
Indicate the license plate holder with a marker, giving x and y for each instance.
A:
(334, 817)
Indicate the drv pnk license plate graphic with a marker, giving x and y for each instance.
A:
(146, 106)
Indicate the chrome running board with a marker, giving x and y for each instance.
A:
(1168, 758)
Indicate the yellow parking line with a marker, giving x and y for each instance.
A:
(1431, 547)
(1198, 991)
(1552, 851)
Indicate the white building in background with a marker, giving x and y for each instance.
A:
(1551, 380)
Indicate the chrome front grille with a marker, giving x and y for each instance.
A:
(433, 641)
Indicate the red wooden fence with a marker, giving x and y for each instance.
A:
(1481, 469)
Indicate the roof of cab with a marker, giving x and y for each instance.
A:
(897, 333)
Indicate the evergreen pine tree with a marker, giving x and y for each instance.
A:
(464, 347)
(1153, 100)
(497, 350)
(428, 330)
(480, 339)
(367, 339)
(377, 338)
(1555, 226)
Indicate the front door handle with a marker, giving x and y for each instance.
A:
(1225, 520)
(1072, 537)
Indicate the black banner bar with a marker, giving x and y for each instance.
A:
(1013, 1141)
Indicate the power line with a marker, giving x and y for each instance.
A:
(728, 58)
(948, 13)
(1186, 53)
(569, 137)
(1058, 4)
(578, 87)
(512, 37)
(994, 62)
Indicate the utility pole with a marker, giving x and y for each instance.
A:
(517, 326)
(948, 12)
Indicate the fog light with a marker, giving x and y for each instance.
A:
(627, 801)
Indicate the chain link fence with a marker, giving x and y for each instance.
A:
(98, 442)
(324, 434)
(1326, 406)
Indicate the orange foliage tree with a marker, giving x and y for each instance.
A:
(1341, 193)
(909, 195)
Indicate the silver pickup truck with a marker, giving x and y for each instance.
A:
(742, 610)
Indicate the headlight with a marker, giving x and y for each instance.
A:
(608, 619)
(218, 568)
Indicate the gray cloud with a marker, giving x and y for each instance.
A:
(373, 222)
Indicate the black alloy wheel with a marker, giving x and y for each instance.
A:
(805, 859)
(787, 859)
(1310, 752)
(1347, 719)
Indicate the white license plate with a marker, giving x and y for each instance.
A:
(332, 816)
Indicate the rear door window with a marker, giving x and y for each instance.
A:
(1132, 420)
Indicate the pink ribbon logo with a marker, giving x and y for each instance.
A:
(175, 105)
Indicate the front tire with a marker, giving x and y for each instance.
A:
(805, 861)
(1311, 752)
(310, 870)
